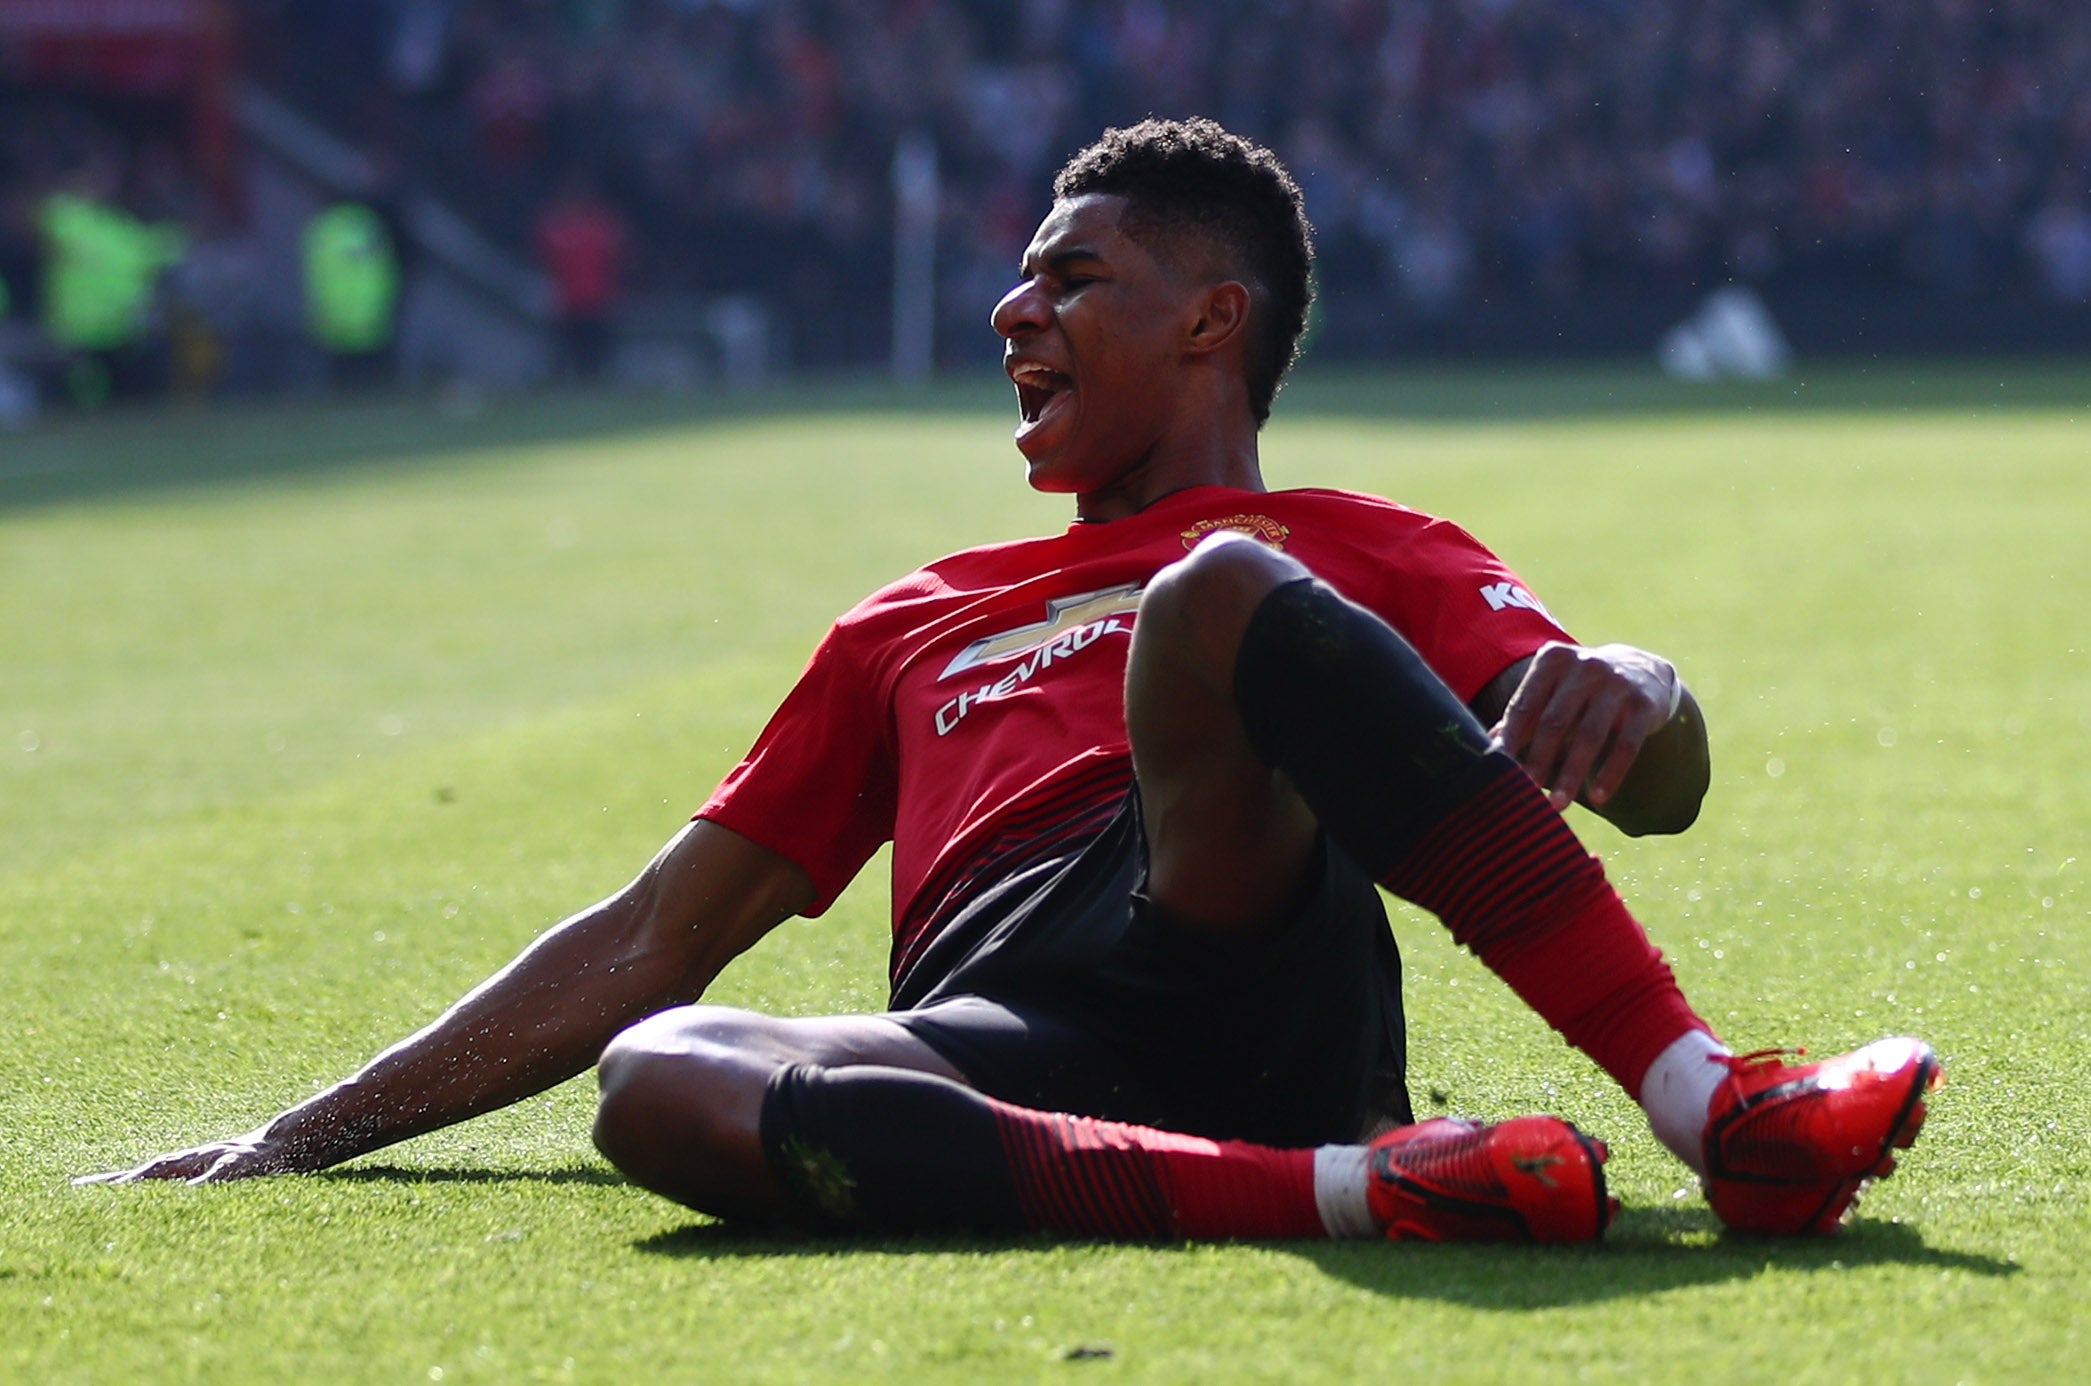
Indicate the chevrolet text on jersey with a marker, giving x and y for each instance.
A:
(1062, 614)
(1072, 624)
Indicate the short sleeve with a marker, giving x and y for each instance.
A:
(818, 785)
(1464, 610)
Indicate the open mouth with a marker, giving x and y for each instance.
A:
(1036, 389)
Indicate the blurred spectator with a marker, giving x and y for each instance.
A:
(234, 338)
(19, 253)
(581, 244)
(1431, 264)
(102, 270)
(2059, 240)
(18, 394)
(1452, 150)
(1455, 153)
(351, 291)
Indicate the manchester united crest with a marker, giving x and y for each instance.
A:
(1259, 527)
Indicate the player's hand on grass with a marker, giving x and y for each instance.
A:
(1581, 715)
(241, 1157)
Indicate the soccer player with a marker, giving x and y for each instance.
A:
(1141, 779)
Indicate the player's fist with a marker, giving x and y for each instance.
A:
(1582, 713)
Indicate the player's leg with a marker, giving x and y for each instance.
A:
(683, 1091)
(1229, 839)
(1399, 772)
(1261, 702)
(808, 1122)
(882, 1150)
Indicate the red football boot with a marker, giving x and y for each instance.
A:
(1790, 1146)
(1533, 1179)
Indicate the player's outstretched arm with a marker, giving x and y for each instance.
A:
(1610, 726)
(707, 897)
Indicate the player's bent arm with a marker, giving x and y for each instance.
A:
(546, 1016)
(1610, 726)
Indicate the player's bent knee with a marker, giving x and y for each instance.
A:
(1192, 616)
(1199, 604)
(1225, 569)
(635, 1110)
(682, 1028)
(676, 1116)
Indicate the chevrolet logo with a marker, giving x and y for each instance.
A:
(1063, 614)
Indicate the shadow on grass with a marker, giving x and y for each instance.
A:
(395, 1174)
(726, 1241)
(132, 450)
(1649, 1252)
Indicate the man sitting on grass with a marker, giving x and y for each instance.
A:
(1141, 779)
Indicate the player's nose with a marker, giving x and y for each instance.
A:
(1022, 309)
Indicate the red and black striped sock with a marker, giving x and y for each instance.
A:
(1509, 878)
(1400, 773)
(1080, 1175)
(884, 1149)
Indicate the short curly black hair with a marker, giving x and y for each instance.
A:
(1194, 175)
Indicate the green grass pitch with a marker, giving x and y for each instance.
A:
(310, 716)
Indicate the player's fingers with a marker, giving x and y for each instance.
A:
(239, 1162)
(1641, 718)
(1553, 735)
(1521, 715)
(218, 1173)
(1579, 755)
(1523, 722)
(180, 1165)
(1618, 760)
(1585, 746)
(184, 1166)
(1622, 746)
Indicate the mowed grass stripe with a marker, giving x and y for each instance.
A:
(267, 947)
(1823, 578)
(281, 628)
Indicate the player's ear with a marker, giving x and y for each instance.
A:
(1222, 317)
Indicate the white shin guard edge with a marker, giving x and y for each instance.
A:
(1339, 1191)
(1678, 1092)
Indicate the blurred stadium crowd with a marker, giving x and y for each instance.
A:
(1454, 152)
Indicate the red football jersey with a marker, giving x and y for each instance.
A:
(976, 708)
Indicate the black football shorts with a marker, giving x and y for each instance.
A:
(1065, 989)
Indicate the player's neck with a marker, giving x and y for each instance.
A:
(1167, 470)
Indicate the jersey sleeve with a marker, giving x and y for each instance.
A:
(818, 786)
(1464, 610)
